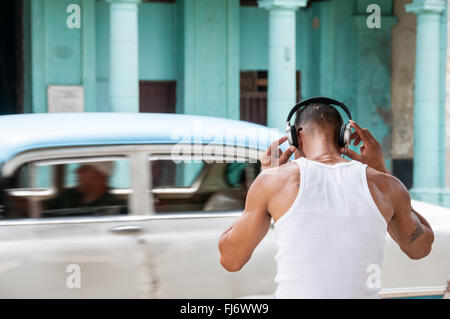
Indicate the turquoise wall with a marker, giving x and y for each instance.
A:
(315, 46)
(66, 56)
(373, 73)
(102, 55)
(253, 38)
(56, 57)
(442, 105)
(157, 40)
(337, 55)
(60, 55)
(203, 45)
(62, 45)
(208, 57)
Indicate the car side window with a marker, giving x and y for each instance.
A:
(68, 188)
(199, 186)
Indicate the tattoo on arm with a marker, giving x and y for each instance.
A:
(417, 232)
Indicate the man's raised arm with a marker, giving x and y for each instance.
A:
(238, 242)
(408, 228)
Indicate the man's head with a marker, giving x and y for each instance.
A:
(93, 177)
(318, 119)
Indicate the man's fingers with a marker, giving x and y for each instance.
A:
(275, 144)
(369, 135)
(353, 155)
(373, 139)
(361, 133)
(285, 156)
(354, 136)
(264, 159)
(281, 140)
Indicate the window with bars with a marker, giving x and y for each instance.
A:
(253, 96)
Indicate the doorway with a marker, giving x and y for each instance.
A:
(11, 58)
(157, 96)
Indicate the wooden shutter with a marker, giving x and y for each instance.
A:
(253, 102)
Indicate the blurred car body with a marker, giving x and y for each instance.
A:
(184, 179)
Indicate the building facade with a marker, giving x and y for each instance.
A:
(244, 59)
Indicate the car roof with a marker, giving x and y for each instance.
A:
(23, 132)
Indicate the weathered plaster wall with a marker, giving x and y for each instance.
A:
(403, 63)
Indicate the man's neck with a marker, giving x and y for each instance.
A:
(321, 150)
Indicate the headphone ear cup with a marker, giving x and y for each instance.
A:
(344, 135)
(289, 135)
(294, 136)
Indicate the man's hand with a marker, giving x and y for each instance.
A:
(371, 151)
(272, 158)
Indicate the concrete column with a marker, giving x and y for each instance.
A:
(282, 59)
(446, 120)
(124, 75)
(427, 169)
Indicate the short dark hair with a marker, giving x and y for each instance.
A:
(321, 114)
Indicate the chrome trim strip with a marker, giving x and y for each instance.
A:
(110, 219)
(81, 160)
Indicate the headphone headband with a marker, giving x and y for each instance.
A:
(317, 100)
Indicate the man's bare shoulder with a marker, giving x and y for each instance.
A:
(384, 181)
(280, 172)
(388, 191)
(273, 177)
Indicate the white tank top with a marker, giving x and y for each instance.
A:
(331, 240)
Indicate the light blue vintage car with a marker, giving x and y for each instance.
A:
(179, 181)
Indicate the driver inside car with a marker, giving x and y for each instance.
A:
(92, 190)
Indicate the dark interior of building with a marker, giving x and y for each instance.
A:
(11, 58)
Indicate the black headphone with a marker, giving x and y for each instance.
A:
(344, 134)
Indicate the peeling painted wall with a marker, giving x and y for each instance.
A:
(402, 83)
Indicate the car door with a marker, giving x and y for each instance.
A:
(85, 256)
(180, 239)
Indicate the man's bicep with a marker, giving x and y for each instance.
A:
(239, 241)
(405, 227)
(255, 220)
